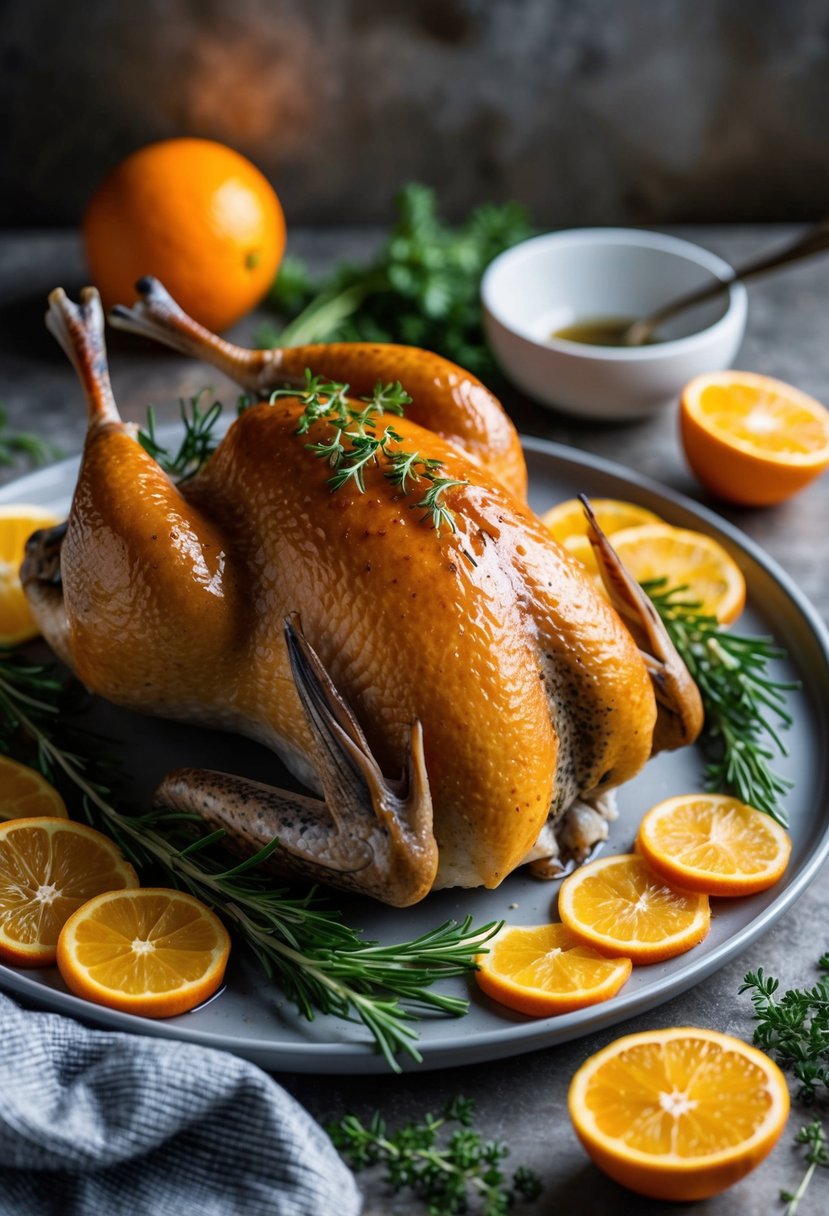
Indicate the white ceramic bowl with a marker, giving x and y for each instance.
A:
(563, 278)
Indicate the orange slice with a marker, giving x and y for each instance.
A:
(678, 1114)
(714, 844)
(620, 906)
(751, 439)
(17, 523)
(685, 559)
(25, 793)
(48, 868)
(567, 520)
(543, 970)
(153, 951)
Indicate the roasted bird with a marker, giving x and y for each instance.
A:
(428, 627)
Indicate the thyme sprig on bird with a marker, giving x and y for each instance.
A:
(322, 964)
(448, 1172)
(355, 443)
(745, 707)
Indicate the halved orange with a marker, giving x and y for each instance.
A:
(567, 519)
(543, 970)
(686, 559)
(154, 951)
(25, 793)
(751, 439)
(48, 868)
(714, 844)
(620, 906)
(678, 1114)
(17, 523)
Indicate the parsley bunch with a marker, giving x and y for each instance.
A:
(421, 289)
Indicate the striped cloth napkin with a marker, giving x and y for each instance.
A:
(94, 1123)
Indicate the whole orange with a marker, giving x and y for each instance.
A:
(198, 216)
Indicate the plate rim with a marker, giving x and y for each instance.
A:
(514, 1038)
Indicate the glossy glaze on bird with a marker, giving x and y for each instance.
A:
(490, 645)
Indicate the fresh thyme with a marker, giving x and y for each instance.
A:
(794, 1027)
(813, 1137)
(354, 443)
(739, 697)
(352, 446)
(794, 1030)
(322, 964)
(199, 441)
(448, 1172)
(24, 443)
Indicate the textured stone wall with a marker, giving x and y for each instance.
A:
(588, 110)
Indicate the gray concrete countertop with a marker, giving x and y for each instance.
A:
(522, 1101)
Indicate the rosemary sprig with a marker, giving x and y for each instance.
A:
(817, 1153)
(739, 697)
(200, 438)
(23, 443)
(448, 1172)
(322, 964)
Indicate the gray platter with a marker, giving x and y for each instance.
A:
(251, 1017)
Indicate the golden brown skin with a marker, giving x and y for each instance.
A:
(528, 687)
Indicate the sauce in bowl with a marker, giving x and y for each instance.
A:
(599, 331)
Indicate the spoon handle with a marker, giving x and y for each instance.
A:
(816, 240)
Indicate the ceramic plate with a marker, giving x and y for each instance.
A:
(250, 1016)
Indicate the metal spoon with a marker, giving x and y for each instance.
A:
(816, 240)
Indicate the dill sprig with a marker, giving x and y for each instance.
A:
(448, 1172)
(322, 964)
(813, 1137)
(200, 438)
(739, 697)
(23, 443)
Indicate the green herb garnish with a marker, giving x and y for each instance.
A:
(739, 697)
(448, 1172)
(24, 443)
(200, 438)
(420, 289)
(354, 443)
(813, 1137)
(794, 1027)
(794, 1030)
(321, 963)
